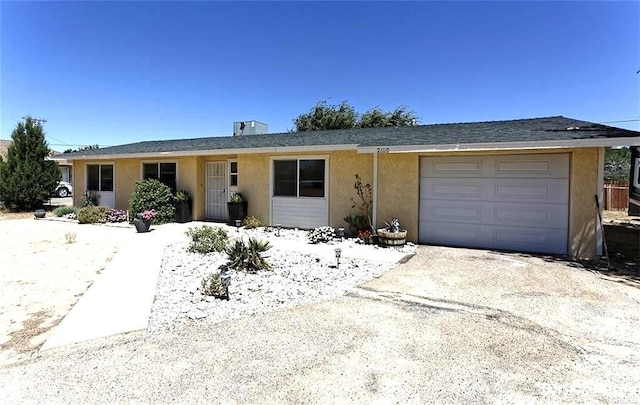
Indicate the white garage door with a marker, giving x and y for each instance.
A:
(511, 202)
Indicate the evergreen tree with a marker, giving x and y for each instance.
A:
(26, 178)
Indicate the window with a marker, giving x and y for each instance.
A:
(299, 178)
(165, 172)
(100, 177)
(233, 174)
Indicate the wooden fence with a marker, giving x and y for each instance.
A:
(616, 195)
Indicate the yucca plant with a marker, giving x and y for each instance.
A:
(237, 255)
(248, 256)
(255, 258)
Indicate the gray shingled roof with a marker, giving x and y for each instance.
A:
(522, 130)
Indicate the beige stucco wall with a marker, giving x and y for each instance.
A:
(583, 210)
(254, 176)
(128, 171)
(399, 191)
(253, 184)
(398, 186)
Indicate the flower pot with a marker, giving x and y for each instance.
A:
(237, 210)
(39, 213)
(142, 225)
(183, 212)
(386, 238)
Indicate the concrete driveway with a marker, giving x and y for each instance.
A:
(449, 326)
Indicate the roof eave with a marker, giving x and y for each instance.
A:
(571, 143)
(213, 152)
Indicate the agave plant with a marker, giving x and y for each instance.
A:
(237, 255)
(248, 255)
(255, 258)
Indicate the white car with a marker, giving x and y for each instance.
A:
(64, 189)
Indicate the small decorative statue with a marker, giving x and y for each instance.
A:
(395, 225)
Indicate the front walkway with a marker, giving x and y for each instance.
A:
(121, 298)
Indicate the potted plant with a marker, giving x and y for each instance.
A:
(237, 207)
(392, 235)
(183, 206)
(142, 221)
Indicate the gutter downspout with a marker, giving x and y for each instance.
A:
(374, 193)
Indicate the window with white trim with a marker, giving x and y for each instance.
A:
(99, 177)
(299, 178)
(233, 173)
(165, 172)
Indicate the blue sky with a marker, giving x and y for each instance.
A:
(109, 73)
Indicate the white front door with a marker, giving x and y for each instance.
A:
(216, 191)
(100, 181)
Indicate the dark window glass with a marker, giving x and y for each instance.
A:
(106, 177)
(164, 172)
(150, 171)
(233, 174)
(311, 178)
(93, 177)
(285, 178)
(168, 175)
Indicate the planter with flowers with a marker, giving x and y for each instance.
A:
(392, 235)
(237, 207)
(183, 206)
(142, 221)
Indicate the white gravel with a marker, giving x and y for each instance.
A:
(301, 273)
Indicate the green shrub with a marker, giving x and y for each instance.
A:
(90, 198)
(64, 210)
(357, 223)
(92, 215)
(251, 222)
(151, 194)
(207, 239)
(248, 255)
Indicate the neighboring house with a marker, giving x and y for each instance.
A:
(66, 167)
(524, 185)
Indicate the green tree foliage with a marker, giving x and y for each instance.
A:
(324, 117)
(343, 116)
(26, 178)
(617, 164)
(151, 194)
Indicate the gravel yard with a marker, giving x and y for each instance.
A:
(299, 275)
(448, 326)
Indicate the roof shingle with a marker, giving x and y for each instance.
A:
(523, 130)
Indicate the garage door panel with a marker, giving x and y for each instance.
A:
(534, 166)
(494, 237)
(445, 211)
(463, 166)
(538, 190)
(487, 213)
(531, 215)
(530, 239)
(501, 166)
(511, 202)
(489, 189)
(442, 233)
(456, 189)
